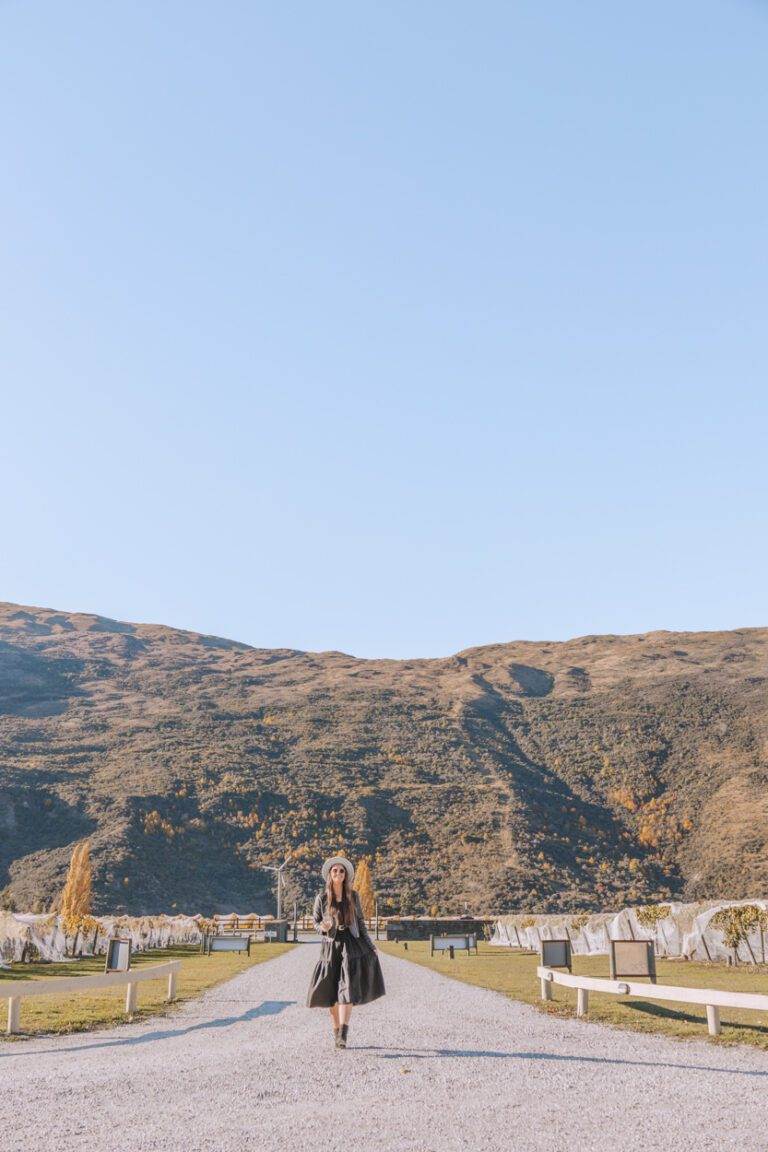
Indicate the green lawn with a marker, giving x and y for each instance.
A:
(514, 974)
(80, 1012)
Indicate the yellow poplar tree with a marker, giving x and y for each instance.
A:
(364, 886)
(77, 894)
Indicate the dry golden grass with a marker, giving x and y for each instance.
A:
(514, 974)
(84, 1011)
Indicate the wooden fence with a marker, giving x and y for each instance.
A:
(254, 924)
(713, 999)
(15, 990)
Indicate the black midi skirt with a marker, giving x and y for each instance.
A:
(348, 972)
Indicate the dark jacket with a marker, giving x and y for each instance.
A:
(348, 969)
(357, 927)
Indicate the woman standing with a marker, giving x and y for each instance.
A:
(348, 971)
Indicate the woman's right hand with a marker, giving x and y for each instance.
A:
(326, 925)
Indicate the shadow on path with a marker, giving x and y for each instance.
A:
(463, 1053)
(266, 1008)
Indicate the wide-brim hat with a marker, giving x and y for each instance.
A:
(346, 864)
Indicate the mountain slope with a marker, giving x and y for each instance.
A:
(542, 775)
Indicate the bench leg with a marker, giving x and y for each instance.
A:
(582, 1001)
(14, 1003)
(713, 1019)
(546, 989)
(171, 987)
(130, 1000)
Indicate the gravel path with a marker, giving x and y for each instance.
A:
(436, 1066)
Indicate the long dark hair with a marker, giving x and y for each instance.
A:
(345, 906)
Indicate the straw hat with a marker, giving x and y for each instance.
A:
(346, 864)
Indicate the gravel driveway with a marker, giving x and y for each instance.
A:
(435, 1066)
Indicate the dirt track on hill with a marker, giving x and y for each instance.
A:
(436, 1066)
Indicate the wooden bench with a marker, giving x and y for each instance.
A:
(226, 944)
(457, 942)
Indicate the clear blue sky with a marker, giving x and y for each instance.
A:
(388, 328)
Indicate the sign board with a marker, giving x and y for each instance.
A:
(118, 955)
(556, 954)
(632, 958)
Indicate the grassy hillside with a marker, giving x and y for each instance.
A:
(544, 775)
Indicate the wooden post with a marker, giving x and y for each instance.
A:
(582, 1001)
(130, 1000)
(171, 987)
(14, 1002)
(713, 1019)
(546, 989)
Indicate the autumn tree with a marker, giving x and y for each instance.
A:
(77, 895)
(364, 887)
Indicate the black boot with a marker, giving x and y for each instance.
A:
(337, 1037)
(343, 1033)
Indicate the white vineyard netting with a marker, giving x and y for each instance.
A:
(41, 937)
(684, 931)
